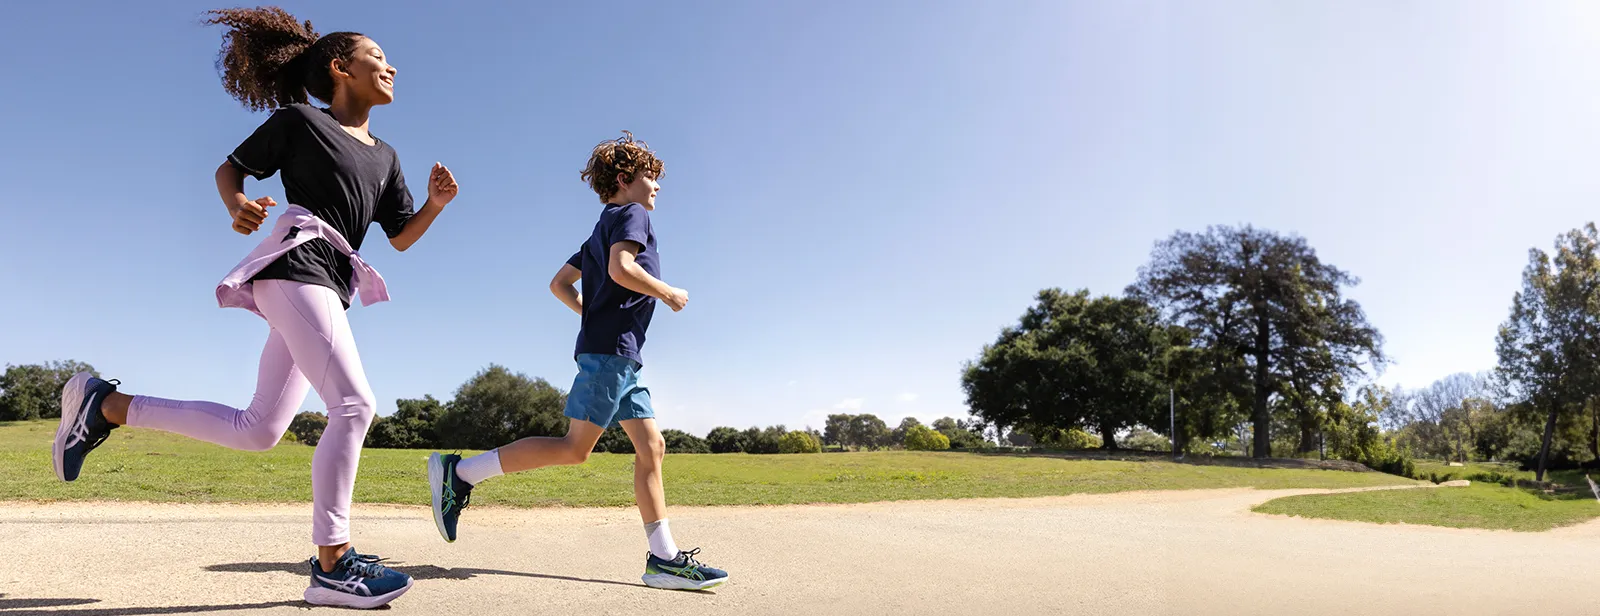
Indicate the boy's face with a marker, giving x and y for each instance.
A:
(642, 190)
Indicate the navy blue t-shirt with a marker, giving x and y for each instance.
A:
(615, 317)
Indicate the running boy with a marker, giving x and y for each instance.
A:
(620, 272)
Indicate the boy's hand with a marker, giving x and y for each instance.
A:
(676, 298)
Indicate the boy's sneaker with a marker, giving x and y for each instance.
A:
(681, 573)
(450, 493)
(83, 427)
(357, 581)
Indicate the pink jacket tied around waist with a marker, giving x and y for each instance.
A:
(296, 226)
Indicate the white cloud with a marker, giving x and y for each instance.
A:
(850, 404)
(793, 383)
(906, 397)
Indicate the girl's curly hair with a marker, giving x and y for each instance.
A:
(621, 158)
(270, 60)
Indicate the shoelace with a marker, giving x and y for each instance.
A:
(368, 565)
(688, 558)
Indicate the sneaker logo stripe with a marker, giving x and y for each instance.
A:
(80, 427)
(353, 586)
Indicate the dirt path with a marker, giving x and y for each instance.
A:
(1197, 552)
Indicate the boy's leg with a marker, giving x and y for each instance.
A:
(450, 478)
(590, 406)
(596, 391)
(666, 566)
(541, 451)
(649, 452)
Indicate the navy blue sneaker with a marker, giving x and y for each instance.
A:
(450, 493)
(358, 581)
(83, 427)
(681, 573)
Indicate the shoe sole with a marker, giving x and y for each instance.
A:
(667, 581)
(436, 486)
(317, 595)
(71, 407)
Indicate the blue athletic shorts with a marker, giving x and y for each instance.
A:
(607, 391)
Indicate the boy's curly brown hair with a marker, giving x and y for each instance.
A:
(269, 59)
(622, 158)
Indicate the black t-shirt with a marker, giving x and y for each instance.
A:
(346, 183)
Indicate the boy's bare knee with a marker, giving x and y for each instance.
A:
(654, 451)
(577, 453)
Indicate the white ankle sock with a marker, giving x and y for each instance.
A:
(480, 467)
(661, 543)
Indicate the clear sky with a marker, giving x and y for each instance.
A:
(859, 195)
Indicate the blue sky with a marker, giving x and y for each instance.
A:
(858, 196)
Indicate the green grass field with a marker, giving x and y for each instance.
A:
(1493, 472)
(1480, 505)
(143, 465)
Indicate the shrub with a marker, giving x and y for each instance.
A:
(1145, 440)
(1074, 438)
(725, 440)
(799, 442)
(679, 441)
(923, 438)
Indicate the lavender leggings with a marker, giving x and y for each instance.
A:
(310, 346)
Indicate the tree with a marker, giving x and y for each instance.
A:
(1591, 416)
(864, 431)
(751, 440)
(1492, 437)
(1310, 392)
(496, 407)
(898, 436)
(1549, 347)
(963, 434)
(1437, 421)
(725, 440)
(923, 438)
(799, 442)
(679, 441)
(837, 430)
(1261, 304)
(756, 440)
(767, 441)
(33, 391)
(412, 426)
(1075, 362)
(867, 431)
(1353, 433)
(307, 427)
